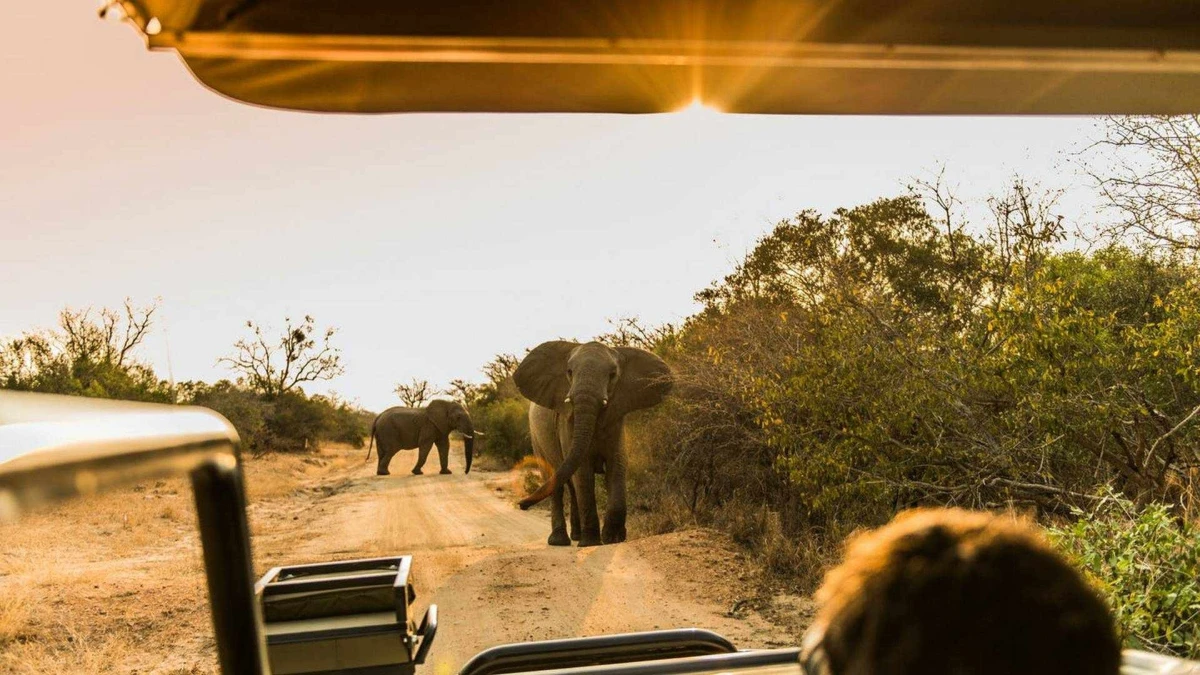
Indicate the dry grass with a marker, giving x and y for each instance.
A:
(114, 583)
(274, 476)
(14, 616)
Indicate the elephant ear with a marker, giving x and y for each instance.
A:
(542, 375)
(645, 381)
(438, 414)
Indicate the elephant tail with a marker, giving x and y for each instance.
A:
(372, 443)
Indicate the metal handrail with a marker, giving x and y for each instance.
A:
(1135, 662)
(57, 447)
(597, 650)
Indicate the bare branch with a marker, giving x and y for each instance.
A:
(1147, 169)
(415, 393)
(276, 368)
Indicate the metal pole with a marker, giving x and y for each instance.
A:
(225, 536)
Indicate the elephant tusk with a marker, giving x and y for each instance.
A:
(466, 436)
(480, 433)
(567, 399)
(605, 403)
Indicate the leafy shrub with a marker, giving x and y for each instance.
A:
(291, 422)
(497, 410)
(1147, 564)
(506, 427)
(876, 359)
(344, 423)
(295, 422)
(245, 411)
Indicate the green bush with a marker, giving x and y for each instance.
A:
(344, 423)
(295, 422)
(1147, 564)
(291, 422)
(876, 359)
(506, 427)
(498, 411)
(245, 411)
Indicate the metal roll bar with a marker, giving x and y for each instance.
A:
(596, 650)
(56, 447)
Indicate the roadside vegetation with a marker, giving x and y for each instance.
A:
(94, 353)
(499, 410)
(1146, 561)
(878, 359)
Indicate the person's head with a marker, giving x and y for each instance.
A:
(946, 591)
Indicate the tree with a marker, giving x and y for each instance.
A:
(630, 331)
(272, 368)
(1148, 170)
(497, 407)
(501, 368)
(89, 353)
(415, 393)
(464, 392)
(111, 338)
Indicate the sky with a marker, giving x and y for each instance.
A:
(431, 242)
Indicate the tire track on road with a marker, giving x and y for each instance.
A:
(487, 566)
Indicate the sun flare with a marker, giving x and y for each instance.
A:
(698, 108)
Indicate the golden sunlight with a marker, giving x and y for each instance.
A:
(698, 109)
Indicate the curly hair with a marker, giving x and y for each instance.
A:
(947, 591)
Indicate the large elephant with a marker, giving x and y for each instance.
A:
(407, 428)
(581, 395)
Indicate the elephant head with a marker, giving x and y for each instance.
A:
(594, 384)
(450, 416)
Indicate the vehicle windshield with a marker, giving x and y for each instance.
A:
(683, 356)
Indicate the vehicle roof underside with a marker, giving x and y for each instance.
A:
(637, 56)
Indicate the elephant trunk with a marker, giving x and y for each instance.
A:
(468, 432)
(586, 412)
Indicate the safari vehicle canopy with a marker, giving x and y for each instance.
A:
(643, 56)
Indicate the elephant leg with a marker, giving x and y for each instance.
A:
(443, 446)
(558, 522)
(585, 486)
(422, 454)
(614, 513)
(384, 459)
(574, 512)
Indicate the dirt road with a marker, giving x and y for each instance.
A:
(487, 566)
(131, 599)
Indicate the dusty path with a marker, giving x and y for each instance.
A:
(114, 584)
(487, 566)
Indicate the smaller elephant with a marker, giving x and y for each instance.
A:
(402, 428)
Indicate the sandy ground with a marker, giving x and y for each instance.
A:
(89, 591)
